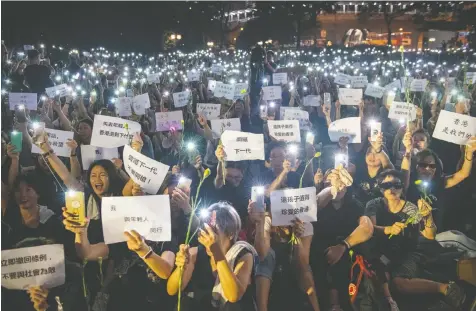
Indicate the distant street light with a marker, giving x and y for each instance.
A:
(172, 37)
(179, 37)
(210, 43)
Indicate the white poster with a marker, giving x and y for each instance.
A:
(280, 78)
(393, 86)
(283, 109)
(470, 78)
(154, 77)
(210, 111)
(301, 115)
(401, 110)
(212, 85)
(221, 125)
(350, 97)
(171, 120)
(140, 103)
(57, 140)
(23, 268)
(347, 127)
(342, 79)
(285, 130)
(28, 100)
(374, 91)
(271, 92)
(89, 154)
(110, 132)
(454, 127)
(58, 90)
(217, 69)
(242, 146)
(224, 90)
(312, 100)
(193, 75)
(359, 81)
(148, 215)
(241, 89)
(288, 204)
(418, 85)
(144, 171)
(28, 47)
(129, 93)
(124, 106)
(181, 99)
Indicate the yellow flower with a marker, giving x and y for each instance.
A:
(126, 126)
(182, 122)
(317, 155)
(401, 48)
(418, 182)
(206, 173)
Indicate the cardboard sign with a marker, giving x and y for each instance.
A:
(454, 127)
(23, 268)
(402, 111)
(374, 91)
(166, 121)
(210, 111)
(154, 77)
(110, 132)
(393, 86)
(221, 125)
(288, 204)
(312, 100)
(181, 99)
(58, 90)
(89, 154)
(359, 81)
(271, 92)
(241, 90)
(418, 85)
(124, 106)
(350, 97)
(57, 140)
(242, 146)
(280, 78)
(28, 100)
(224, 90)
(148, 215)
(193, 75)
(284, 130)
(347, 127)
(140, 103)
(144, 171)
(300, 115)
(342, 79)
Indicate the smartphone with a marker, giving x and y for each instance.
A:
(341, 158)
(184, 183)
(38, 129)
(17, 139)
(192, 155)
(263, 111)
(257, 196)
(375, 130)
(75, 205)
(310, 138)
(327, 99)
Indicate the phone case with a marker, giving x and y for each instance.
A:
(16, 139)
(75, 205)
(184, 183)
(375, 130)
(258, 198)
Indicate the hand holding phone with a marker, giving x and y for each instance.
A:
(375, 130)
(257, 196)
(75, 205)
(17, 140)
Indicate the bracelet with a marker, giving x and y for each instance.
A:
(147, 254)
(72, 155)
(47, 154)
(466, 158)
(346, 244)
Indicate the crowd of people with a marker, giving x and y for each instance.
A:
(393, 211)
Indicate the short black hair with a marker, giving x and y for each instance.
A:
(32, 54)
(273, 145)
(32, 179)
(234, 164)
(87, 121)
(389, 172)
(424, 132)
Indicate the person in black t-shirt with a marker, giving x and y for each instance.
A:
(269, 66)
(37, 76)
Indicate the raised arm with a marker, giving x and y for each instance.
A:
(407, 159)
(84, 250)
(81, 108)
(465, 170)
(14, 168)
(73, 159)
(220, 177)
(63, 120)
(262, 236)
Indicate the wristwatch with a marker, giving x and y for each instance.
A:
(345, 243)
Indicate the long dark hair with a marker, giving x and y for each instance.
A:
(438, 177)
(115, 182)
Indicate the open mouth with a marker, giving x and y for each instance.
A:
(99, 187)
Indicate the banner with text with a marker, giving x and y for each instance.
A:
(347, 127)
(57, 140)
(241, 146)
(454, 127)
(350, 97)
(221, 125)
(110, 132)
(284, 130)
(271, 92)
(28, 100)
(209, 111)
(171, 120)
(288, 204)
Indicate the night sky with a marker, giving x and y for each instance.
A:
(90, 24)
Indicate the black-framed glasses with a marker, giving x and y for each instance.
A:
(427, 165)
(393, 184)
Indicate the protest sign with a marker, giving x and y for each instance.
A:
(470, 78)
(193, 75)
(359, 81)
(350, 97)
(58, 90)
(283, 109)
(212, 85)
(285, 130)
(312, 100)
(26, 267)
(89, 154)
(374, 91)
(210, 111)
(418, 85)
(221, 125)
(217, 69)
(181, 99)
(144, 171)
(241, 89)
(288, 204)
(28, 47)
(28, 100)
(301, 115)
(280, 78)
(124, 106)
(401, 110)
(393, 86)
(57, 140)
(342, 79)
(148, 215)
(165, 121)
(140, 103)
(271, 92)
(347, 127)
(241, 146)
(110, 132)
(224, 90)
(154, 77)
(129, 93)
(454, 127)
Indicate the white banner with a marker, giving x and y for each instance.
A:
(241, 89)
(124, 106)
(374, 91)
(418, 85)
(271, 92)
(401, 110)
(144, 171)
(221, 125)
(89, 154)
(110, 132)
(28, 100)
(284, 130)
(301, 115)
(280, 78)
(140, 103)
(181, 99)
(23, 268)
(58, 90)
(288, 204)
(347, 127)
(359, 81)
(242, 146)
(224, 90)
(350, 97)
(193, 75)
(342, 79)
(148, 215)
(154, 77)
(57, 140)
(454, 127)
(210, 111)
(165, 121)
(312, 100)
